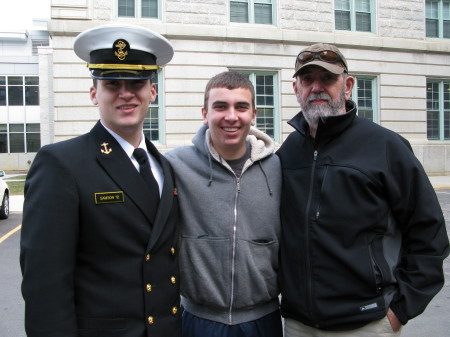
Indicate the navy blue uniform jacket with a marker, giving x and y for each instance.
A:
(95, 260)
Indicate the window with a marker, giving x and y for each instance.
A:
(138, 8)
(19, 138)
(151, 121)
(354, 15)
(16, 92)
(364, 94)
(438, 110)
(438, 18)
(3, 138)
(19, 90)
(252, 11)
(32, 137)
(266, 100)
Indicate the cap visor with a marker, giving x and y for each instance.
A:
(121, 74)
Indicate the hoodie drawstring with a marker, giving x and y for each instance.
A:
(265, 176)
(210, 169)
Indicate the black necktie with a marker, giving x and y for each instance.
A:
(146, 172)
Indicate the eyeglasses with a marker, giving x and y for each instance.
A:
(324, 55)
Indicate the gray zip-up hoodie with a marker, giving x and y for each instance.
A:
(230, 229)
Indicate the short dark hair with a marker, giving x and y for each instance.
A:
(230, 80)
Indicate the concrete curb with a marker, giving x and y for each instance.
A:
(440, 182)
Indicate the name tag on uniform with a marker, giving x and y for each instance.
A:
(109, 197)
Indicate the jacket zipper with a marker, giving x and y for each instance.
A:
(238, 190)
(308, 259)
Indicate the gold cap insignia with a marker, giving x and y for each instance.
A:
(121, 49)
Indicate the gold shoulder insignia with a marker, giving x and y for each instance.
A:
(105, 149)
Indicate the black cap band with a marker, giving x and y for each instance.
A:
(133, 57)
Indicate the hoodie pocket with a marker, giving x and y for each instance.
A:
(205, 270)
(256, 280)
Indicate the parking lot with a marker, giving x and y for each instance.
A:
(434, 322)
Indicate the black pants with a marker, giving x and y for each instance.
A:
(266, 326)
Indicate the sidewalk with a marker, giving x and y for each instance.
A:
(438, 182)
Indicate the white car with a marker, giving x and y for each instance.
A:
(4, 197)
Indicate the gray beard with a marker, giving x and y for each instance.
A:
(315, 112)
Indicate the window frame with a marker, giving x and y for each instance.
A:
(29, 84)
(138, 11)
(23, 90)
(441, 110)
(28, 137)
(374, 94)
(24, 133)
(275, 106)
(440, 19)
(251, 19)
(353, 12)
(158, 104)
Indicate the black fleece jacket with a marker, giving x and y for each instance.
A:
(362, 229)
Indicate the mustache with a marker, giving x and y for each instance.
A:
(321, 96)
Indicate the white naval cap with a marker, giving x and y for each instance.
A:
(118, 51)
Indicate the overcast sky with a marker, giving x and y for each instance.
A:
(17, 14)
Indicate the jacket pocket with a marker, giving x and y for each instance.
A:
(379, 267)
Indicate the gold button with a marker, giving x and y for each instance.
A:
(173, 280)
(148, 287)
(147, 257)
(172, 251)
(174, 310)
(150, 320)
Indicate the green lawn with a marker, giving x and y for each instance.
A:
(16, 187)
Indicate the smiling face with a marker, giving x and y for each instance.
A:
(322, 93)
(229, 113)
(123, 104)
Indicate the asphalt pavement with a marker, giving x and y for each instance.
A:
(433, 322)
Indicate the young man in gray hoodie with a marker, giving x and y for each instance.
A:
(229, 185)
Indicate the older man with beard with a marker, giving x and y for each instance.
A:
(363, 235)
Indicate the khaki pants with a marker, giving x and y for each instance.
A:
(381, 328)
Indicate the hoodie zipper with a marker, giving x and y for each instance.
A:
(308, 259)
(233, 262)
